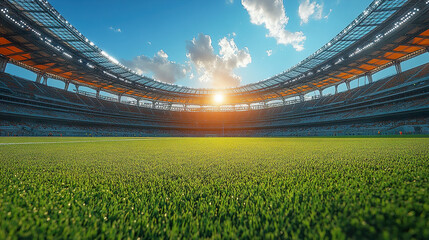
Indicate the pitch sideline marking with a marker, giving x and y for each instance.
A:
(28, 143)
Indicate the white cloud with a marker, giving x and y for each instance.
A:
(271, 14)
(327, 15)
(309, 9)
(118, 30)
(229, 1)
(162, 68)
(217, 70)
(269, 52)
(162, 54)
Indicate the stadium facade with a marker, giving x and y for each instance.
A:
(33, 35)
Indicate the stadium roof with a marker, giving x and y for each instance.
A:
(34, 35)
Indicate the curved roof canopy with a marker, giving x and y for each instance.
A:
(34, 35)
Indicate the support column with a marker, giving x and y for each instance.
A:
(169, 106)
(3, 64)
(45, 80)
(398, 67)
(347, 85)
(301, 97)
(39, 78)
(336, 88)
(138, 102)
(119, 98)
(77, 88)
(321, 92)
(66, 86)
(97, 93)
(369, 77)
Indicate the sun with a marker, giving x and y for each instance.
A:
(218, 98)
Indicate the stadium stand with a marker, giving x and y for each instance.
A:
(387, 106)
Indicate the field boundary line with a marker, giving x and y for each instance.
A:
(29, 143)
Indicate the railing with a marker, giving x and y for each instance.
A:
(93, 95)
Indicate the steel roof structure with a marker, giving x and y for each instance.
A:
(34, 35)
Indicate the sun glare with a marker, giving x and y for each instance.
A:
(218, 98)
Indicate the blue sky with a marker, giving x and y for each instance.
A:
(156, 36)
(150, 26)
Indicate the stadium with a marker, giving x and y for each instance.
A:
(335, 92)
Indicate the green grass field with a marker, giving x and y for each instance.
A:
(295, 188)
